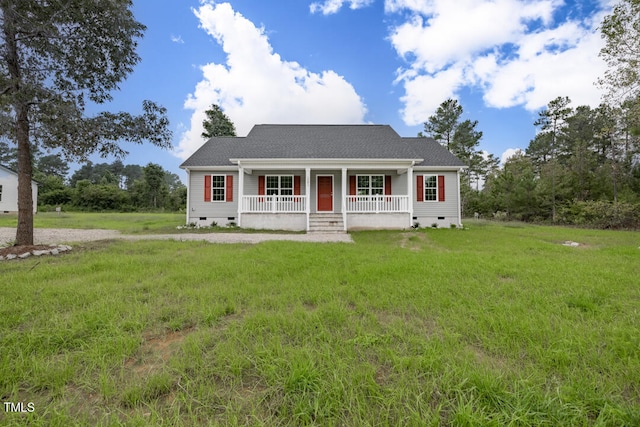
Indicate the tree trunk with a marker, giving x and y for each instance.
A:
(24, 233)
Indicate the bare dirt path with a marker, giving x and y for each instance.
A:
(52, 236)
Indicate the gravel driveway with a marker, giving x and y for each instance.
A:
(52, 236)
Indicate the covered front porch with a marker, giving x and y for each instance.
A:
(293, 195)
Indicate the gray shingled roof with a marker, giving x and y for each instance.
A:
(320, 142)
(433, 153)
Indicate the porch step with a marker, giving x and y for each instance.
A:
(325, 223)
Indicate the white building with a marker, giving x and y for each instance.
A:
(9, 191)
(323, 178)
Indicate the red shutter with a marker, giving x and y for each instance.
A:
(207, 188)
(296, 185)
(229, 190)
(387, 185)
(261, 185)
(352, 185)
(441, 188)
(419, 188)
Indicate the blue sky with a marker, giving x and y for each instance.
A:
(361, 61)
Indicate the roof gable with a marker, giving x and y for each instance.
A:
(7, 169)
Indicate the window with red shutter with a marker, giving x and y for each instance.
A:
(352, 185)
(419, 188)
(441, 188)
(229, 188)
(387, 185)
(296, 185)
(207, 188)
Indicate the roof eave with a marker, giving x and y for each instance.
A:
(439, 168)
(311, 162)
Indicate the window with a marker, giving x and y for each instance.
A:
(217, 188)
(370, 185)
(279, 185)
(430, 188)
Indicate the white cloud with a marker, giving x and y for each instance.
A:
(255, 85)
(329, 7)
(508, 153)
(177, 39)
(513, 50)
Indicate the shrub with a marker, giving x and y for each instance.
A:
(500, 216)
(601, 214)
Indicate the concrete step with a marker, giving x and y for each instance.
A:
(326, 223)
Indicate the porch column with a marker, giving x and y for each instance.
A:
(410, 191)
(344, 198)
(188, 194)
(459, 209)
(307, 192)
(240, 193)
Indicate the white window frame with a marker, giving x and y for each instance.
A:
(224, 189)
(279, 188)
(424, 189)
(369, 188)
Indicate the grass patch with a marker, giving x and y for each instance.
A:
(129, 223)
(490, 325)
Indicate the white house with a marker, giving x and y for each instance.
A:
(323, 178)
(9, 191)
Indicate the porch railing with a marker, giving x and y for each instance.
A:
(274, 204)
(377, 204)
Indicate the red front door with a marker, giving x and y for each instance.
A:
(325, 193)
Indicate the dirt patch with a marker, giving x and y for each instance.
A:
(485, 358)
(413, 241)
(156, 351)
(417, 241)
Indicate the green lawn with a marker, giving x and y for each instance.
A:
(129, 223)
(493, 325)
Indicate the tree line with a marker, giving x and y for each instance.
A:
(101, 186)
(582, 167)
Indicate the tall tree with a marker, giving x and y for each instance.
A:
(57, 56)
(7, 157)
(217, 123)
(131, 173)
(53, 165)
(156, 186)
(514, 188)
(464, 145)
(621, 32)
(552, 120)
(442, 125)
(581, 159)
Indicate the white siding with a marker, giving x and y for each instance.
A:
(9, 200)
(429, 212)
(212, 211)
